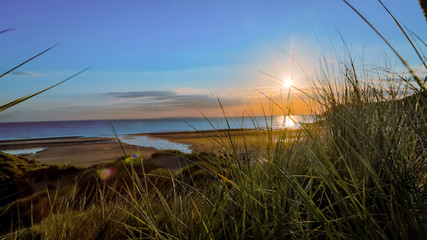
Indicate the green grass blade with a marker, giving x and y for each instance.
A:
(22, 99)
(28, 60)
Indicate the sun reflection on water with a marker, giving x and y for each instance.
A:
(287, 122)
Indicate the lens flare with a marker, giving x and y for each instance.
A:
(107, 173)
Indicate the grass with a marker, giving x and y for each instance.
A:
(360, 173)
(27, 97)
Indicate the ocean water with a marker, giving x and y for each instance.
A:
(103, 128)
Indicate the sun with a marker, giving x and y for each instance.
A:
(287, 83)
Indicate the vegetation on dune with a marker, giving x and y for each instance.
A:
(423, 4)
(361, 174)
(33, 192)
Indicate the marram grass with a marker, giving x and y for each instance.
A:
(360, 173)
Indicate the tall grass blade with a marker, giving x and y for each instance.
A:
(26, 61)
(417, 79)
(22, 99)
(404, 33)
(7, 30)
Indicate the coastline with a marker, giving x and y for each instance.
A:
(80, 152)
(85, 152)
(89, 151)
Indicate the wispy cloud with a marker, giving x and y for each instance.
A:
(191, 91)
(141, 94)
(28, 73)
(163, 100)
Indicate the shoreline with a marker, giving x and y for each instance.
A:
(80, 152)
(87, 151)
(3, 141)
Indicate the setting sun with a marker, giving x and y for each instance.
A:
(287, 83)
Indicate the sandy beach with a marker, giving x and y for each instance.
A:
(81, 152)
(84, 152)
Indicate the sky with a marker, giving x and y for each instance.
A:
(159, 59)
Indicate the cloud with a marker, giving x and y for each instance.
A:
(28, 73)
(191, 91)
(140, 94)
(169, 100)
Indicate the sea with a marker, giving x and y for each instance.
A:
(125, 127)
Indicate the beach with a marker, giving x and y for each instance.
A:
(85, 143)
(85, 152)
(81, 152)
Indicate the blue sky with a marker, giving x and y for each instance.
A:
(171, 58)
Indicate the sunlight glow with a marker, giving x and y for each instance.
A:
(287, 83)
(289, 122)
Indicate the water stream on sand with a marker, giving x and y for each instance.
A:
(156, 143)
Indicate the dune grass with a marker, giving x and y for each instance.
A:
(360, 173)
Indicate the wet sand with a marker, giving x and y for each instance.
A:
(81, 152)
(215, 141)
(209, 140)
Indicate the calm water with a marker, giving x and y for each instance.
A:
(24, 151)
(102, 128)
